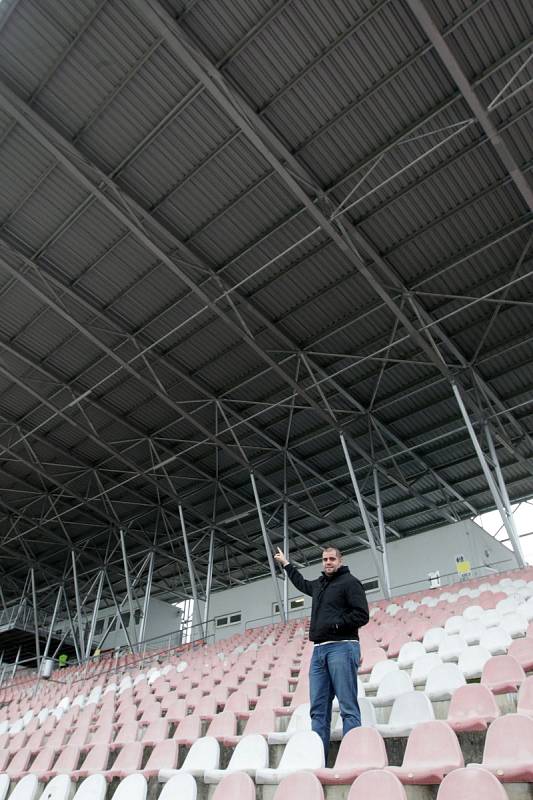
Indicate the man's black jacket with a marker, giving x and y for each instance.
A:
(339, 605)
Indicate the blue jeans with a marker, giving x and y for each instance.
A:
(333, 672)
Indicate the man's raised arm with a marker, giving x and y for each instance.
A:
(294, 576)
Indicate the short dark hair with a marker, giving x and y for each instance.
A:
(332, 547)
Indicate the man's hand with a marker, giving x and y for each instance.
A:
(280, 557)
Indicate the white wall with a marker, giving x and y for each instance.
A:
(410, 560)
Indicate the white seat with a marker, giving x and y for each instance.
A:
(203, 755)
(303, 751)
(515, 623)
(368, 719)
(182, 666)
(169, 667)
(250, 755)
(300, 721)
(95, 695)
(27, 718)
(451, 648)
(64, 703)
(496, 640)
(42, 716)
(392, 685)
(379, 671)
(472, 612)
(527, 609)
(475, 593)
(472, 630)
(504, 606)
(453, 625)
(79, 700)
(407, 711)
(153, 675)
(490, 618)
(125, 684)
(139, 678)
(443, 681)
(180, 787)
(409, 652)
(133, 787)
(92, 788)
(16, 727)
(432, 638)
(423, 666)
(25, 789)
(361, 691)
(59, 788)
(392, 609)
(4, 785)
(472, 660)
(111, 687)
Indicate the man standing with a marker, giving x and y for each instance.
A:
(338, 610)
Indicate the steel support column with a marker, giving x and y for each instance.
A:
(517, 549)
(286, 551)
(128, 583)
(196, 609)
(382, 536)
(516, 543)
(209, 579)
(35, 619)
(72, 630)
(268, 548)
(78, 603)
(95, 614)
(51, 629)
(362, 510)
(147, 593)
(15, 665)
(118, 614)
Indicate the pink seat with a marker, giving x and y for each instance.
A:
(223, 726)
(176, 711)
(525, 697)
(299, 785)
(126, 734)
(95, 761)
(396, 643)
(502, 674)
(360, 750)
(472, 708)
(522, 651)
(155, 732)
(128, 760)
(262, 721)
(432, 751)
(238, 702)
(19, 762)
(471, 784)
(101, 735)
(377, 785)
(188, 731)
(17, 742)
(508, 751)
(370, 658)
(66, 762)
(207, 707)
(41, 764)
(163, 756)
(79, 735)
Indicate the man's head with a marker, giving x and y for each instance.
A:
(331, 559)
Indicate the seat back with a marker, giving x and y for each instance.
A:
(377, 785)
(471, 784)
(26, 788)
(509, 739)
(235, 785)
(224, 724)
(362, 747)
(133, 787)
(422, 667)
(432, 742)
(304, 750)
(300, 719)
(182, 786)
(204, 754)
(524, 703)
(59, 788)
(502, 671)
(299, 785)
(163, 756)
(472, 700)
(251, 753)
(412, 708)
(394, 684)
(261, 721)
(443, 680)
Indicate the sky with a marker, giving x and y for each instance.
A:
(523, 517)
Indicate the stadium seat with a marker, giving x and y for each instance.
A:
(472, 708)
(370, 658)
(502, 674)
(304, 750)
(298, 785)
(472, 660)
(203, 755)
(508, 751)
(377, 785)
(443, 681)
(188, 730)
(378, 672)
(126, 733)
(360, 749)
(524, 703)
(132, 787)
(472, 631)
(432, 751)
(392, 685)
(300, 721)
(408, 710)
(128, 760)
(471, 784)
(163, 756)
(451, 647)
(59, 788)
(453, 625)
(4, 785)
(496, 640)
(223, 726)
(422, 667)
(432, 639)
(95, 761)
(250, 755)
(514, 623)
(409, 653)
(473, 612)
(26, 788)
(522, 651)
(181, 786)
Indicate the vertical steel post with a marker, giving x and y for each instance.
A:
(196, 608)
(142, 627)
(382, 536)
(268, 548)
(51, 629)
(72, 630)
(128, 583)
(286, 551)
(35, 620)
(119, 614)
(515, 541)
(209, 579)
(81, 636)
(488, 477)
(2, 599)
(362, 510)
(95, 614)
(15, 665)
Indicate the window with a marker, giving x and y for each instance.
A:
(228, 619)
(126, 619)
(371, 585)
(137, 616)
(294, 604)
(99, 627)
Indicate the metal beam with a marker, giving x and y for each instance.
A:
(268, 549)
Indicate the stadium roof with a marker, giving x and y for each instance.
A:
(233, 230)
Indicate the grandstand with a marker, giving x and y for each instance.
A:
(264, 270)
